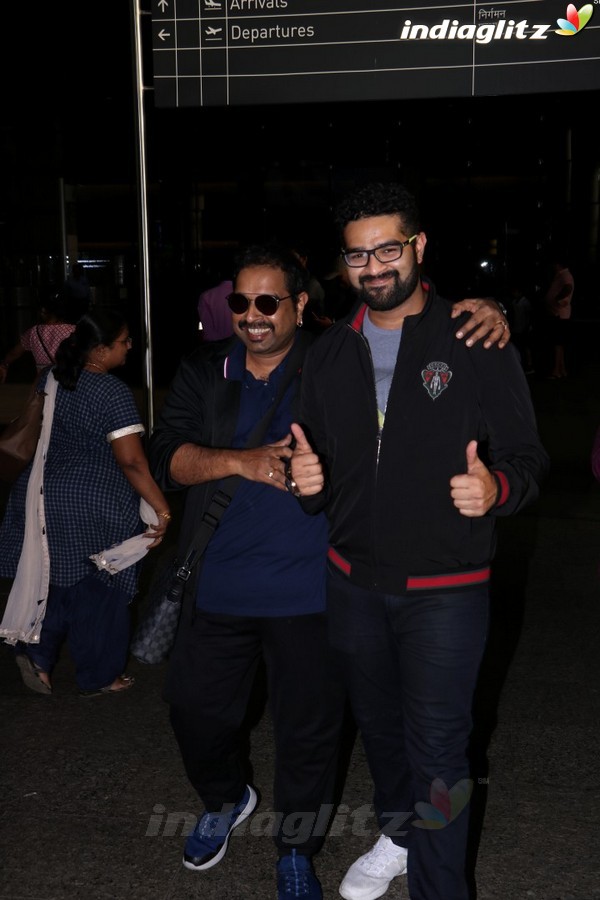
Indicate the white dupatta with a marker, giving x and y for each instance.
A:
(26, 605)
(128, 552)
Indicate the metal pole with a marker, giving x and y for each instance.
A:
(143, 215)
(63, 228)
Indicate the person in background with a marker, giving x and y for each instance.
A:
(78, 497)
(339, 299)
(557, 303)
(520, 313)
(412, 466)
(314, 314)
(214, 315)
(259, 590)
(77, 291)
(41, 340)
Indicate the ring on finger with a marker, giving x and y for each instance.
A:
(271, 473)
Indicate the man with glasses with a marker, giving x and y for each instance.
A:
(416, 445)
(259, 592)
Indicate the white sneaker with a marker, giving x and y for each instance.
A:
(369, 877)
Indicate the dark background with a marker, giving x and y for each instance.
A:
(500, 178)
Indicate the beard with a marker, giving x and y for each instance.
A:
(392, 295)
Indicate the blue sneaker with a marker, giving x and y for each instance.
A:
(296, 878)
(207, 844)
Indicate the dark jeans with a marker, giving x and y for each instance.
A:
(215, 665)
(410, 665)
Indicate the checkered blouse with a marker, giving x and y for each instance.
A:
(89, 504)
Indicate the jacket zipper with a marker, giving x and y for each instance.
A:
(379, 435)
(379, 429)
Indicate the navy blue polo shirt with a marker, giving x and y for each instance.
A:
(267, 557)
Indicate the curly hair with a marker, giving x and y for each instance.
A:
(379, 199)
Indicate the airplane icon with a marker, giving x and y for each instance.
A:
(211, 4)
(211, 32)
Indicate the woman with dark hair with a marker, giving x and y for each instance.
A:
(80, 495)
(41, 340)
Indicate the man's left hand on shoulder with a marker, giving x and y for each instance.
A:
(488, 320)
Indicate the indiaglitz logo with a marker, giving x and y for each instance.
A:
(483, 31)
(445, 804)
(575, 21)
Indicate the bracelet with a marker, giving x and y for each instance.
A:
(166, 516)
(290, 484)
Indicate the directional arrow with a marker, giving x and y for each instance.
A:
(164, 34)
(163, 5)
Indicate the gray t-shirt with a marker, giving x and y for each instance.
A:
(384, 344)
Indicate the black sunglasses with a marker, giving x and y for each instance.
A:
(266, 304)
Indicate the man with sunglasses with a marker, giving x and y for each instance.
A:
(416, 445)
(259, 591)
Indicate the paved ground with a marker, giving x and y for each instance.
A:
(95, 802)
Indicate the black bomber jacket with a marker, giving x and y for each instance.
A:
(393, 525)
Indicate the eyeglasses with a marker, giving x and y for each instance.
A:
(127, 340)
(266, 304)
(388, 253)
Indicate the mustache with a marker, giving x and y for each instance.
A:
(367, 279)
(261, 323)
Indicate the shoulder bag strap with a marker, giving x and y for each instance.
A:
(44, 348)
(222, 497)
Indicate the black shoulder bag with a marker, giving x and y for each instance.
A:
(155, 635)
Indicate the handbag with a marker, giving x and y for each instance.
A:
(19, 439)
(155, 634)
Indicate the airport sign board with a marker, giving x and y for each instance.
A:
(248, 52)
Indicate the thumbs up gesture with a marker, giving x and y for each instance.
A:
(305, 465)
(473, 493)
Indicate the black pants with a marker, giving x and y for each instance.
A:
(210, 683)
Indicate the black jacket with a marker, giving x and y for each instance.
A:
(201, 407)
(393, 525)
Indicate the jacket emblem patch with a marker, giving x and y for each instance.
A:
(436, 378)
